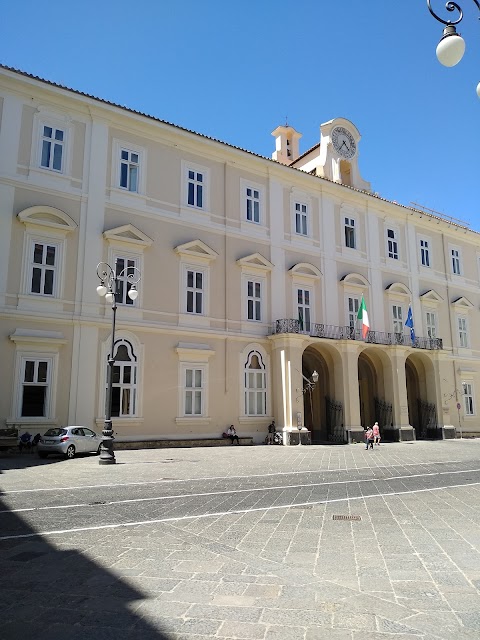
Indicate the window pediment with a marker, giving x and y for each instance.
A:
(127, 234)
(399, 289)
(355, 280)
(305, 270)
(431, 296)
(462, 303)
(256, 261)
(196, 249)
(47, 218)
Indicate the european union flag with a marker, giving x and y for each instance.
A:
(409, 323)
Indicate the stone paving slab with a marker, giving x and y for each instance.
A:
(408, 570)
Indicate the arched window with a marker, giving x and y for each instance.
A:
(255, 385)
(124, 380)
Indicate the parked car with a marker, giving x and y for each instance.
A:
(69, 441)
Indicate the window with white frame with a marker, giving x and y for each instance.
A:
(424, 252)
(124, 380)
(301, 218)
(253, 204)
(43, 267)
(349, 226)
(52, 148)
(468, 402)
(194, 390)
(462, 331)
(303, 309)
(35, 386)
(255, 385)
(195, 188)
(392, 244)
(254, 300)
(456, 265)
(431, 322)
(129, 170)
(125, 266)
(397, 318)
(195, 291)
(353, 305)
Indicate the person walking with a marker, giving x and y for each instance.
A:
(376, 434)
(369, 438)
(232, 434)
(271, 432)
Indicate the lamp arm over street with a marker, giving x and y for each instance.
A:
(108, 288)
(451, 47)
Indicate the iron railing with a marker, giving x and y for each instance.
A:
(331, 332)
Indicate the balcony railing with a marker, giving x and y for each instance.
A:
(332, 332)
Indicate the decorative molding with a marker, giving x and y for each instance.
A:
(129, 234)
(196, 249)
(256, 261)
(431, 296)
(48, 218)
(305, 270)
(462, 303)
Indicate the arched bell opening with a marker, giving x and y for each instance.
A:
(322, 410)
(422, 411)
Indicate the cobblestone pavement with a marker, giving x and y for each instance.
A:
(268, 543)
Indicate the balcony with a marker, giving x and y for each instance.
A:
(332, 332)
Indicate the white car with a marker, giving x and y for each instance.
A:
(69, 441)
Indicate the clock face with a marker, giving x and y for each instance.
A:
(343, 142)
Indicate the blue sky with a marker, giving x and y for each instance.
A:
(234, 71)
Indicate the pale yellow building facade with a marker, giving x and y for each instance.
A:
(252, 275)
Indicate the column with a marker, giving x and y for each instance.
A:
(351, 399)
(400, 401)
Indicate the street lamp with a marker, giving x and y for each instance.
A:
(108, 288)
(451, 47)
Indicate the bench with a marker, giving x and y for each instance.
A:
(191, 442)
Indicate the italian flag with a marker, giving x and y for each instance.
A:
(363, 316)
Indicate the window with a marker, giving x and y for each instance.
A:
(462, 331)
(424, 252)
(194, 391)
(255, 385)
(253, 204)
(195, 291)
(52, 148)
(303, 309)
(301, 211)
(468, 398)
(254, 300)
(124, 267)
(397, 317)
(350, 233)
(43, 267)
(392, 244)
(195, 188)
(431, 318)
(353, 305)
(129, 170)
(124, 380)
(35, 384)
(455, 254)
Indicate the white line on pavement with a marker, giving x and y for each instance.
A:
(233, 491)
(263, 475)
(227, 513)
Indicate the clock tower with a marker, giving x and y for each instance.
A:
(336, 156)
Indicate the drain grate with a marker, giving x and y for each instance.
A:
(356, 518)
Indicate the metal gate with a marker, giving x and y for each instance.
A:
(334, 416)
(427, 416)
(383, 413)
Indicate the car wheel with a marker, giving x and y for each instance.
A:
(70, 453)
(42, 454)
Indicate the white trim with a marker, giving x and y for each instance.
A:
(428, 240)
(46, 117)
(249, 184)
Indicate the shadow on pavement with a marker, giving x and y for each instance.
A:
(55, 594)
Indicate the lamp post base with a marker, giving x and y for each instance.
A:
(107, 455)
